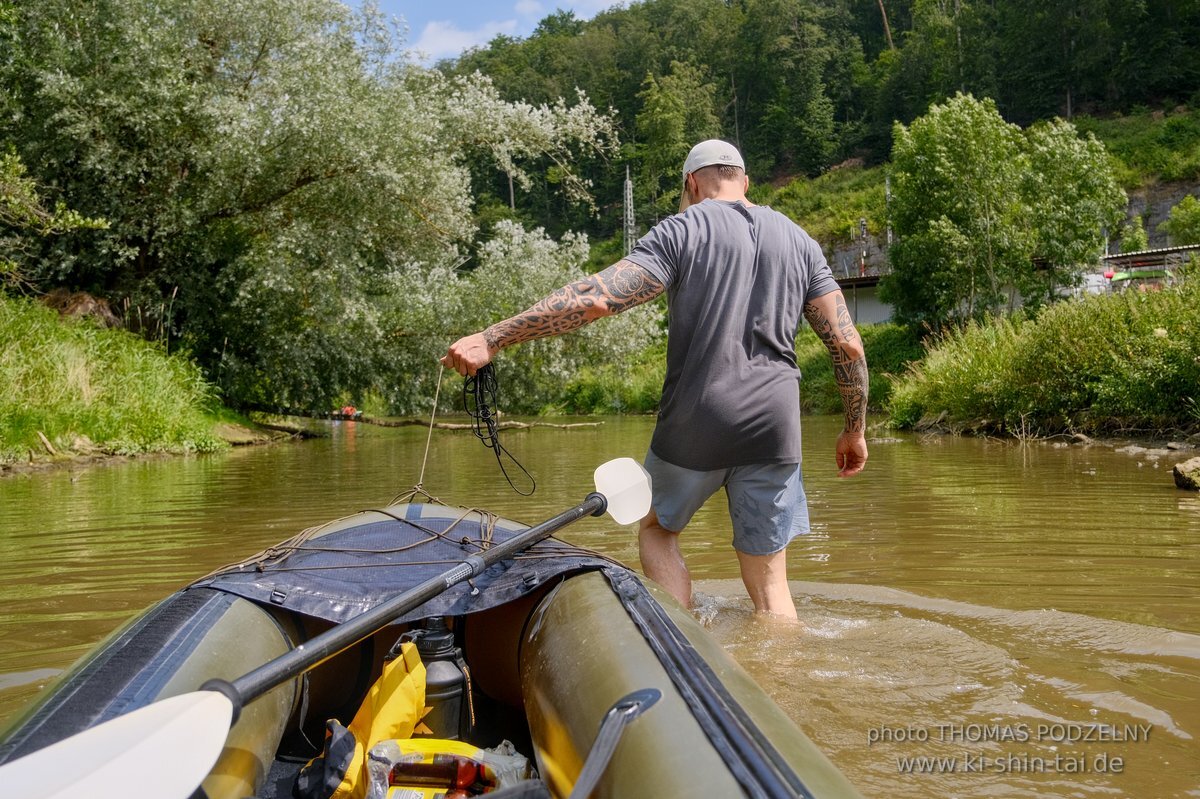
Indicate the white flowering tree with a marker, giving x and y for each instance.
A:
(283, 170)
(518, 268)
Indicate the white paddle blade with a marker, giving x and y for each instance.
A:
(626, 486)
(160, 751)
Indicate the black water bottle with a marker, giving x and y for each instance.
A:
(445, 680)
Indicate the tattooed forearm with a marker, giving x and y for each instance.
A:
(853, 385)
(838, 335)
(841, 338)
(618, 288)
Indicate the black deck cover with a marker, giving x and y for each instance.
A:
(338, 575)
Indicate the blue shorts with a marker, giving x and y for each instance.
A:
(767, 504)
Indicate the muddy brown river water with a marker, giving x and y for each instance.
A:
(978, 618)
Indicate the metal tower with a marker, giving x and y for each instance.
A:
(630, 226)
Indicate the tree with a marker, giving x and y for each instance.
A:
(985, 213)
(517, 268)
(1133, 236)
(24, 218)
(279, 164)
(1072, 192)
(1183, 222)
(959, 213)
(1055, 55)
(790, 118)
(661, 143)
(948, 49)
(677, 111)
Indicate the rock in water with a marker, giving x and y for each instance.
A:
(1187, 474)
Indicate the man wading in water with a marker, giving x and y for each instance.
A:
(738, 278)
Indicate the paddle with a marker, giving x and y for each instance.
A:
(165, 750)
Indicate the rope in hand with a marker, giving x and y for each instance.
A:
(437, 392)
(479, 397)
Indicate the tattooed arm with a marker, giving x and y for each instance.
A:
(618, 288)
(830, 318)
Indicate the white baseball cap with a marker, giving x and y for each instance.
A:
(712, 151)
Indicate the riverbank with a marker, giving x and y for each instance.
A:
(73, 384)
(84, 454)
(1106, 365)
(76, 391)
(1122, 368)
(1178, 452)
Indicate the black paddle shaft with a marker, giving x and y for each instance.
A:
(312, 653)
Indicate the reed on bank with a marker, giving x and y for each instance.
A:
(1108, 363)
(87, 388)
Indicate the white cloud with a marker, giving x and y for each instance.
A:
(586, 9)
(444, 39)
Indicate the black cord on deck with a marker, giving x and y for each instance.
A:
(479, 397)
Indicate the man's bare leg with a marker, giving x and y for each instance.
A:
(765, 577)
(662, 561)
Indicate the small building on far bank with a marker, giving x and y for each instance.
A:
(1145, 269)
(862, 299)
(859, 276)
(858, 268)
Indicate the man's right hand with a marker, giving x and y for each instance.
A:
(469, 354)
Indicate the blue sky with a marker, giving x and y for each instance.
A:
(443, 29)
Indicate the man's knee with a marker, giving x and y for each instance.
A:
(651, 527)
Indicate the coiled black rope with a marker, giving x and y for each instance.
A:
(479, 397)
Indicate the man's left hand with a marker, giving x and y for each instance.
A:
(851, 453)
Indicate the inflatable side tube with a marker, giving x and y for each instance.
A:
(714, 733)
(171, 649)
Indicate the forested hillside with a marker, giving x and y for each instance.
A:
(803, 85)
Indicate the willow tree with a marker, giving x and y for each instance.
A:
(277, 167)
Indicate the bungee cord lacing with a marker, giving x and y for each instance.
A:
(479, 397)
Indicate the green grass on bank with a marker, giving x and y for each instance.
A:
(633, 387)
(1150, 146)
(829, 207)
(76, 383)
(890, 351)
(1107, 363)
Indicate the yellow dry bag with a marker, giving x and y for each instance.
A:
(391, 710)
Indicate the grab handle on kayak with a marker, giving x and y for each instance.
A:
(618, 717)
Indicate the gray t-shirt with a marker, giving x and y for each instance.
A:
(737, 280)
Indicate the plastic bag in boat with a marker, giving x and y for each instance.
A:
(431, 767)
